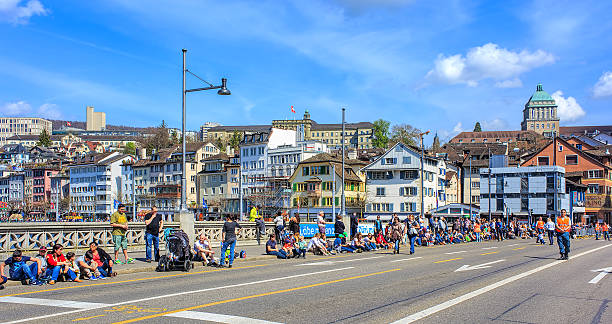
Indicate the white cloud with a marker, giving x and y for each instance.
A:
(14, 12)
(568, 108)
(487, 62)
(603, 87)
(24, 109)
(459, 128)
(512, 83)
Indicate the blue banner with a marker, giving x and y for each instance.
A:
(309, 230)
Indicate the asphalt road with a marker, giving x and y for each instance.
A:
(505, 282)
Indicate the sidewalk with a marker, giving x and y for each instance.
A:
(253, 251)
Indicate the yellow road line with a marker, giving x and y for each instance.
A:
(488, 253)
(448, 260)
(251, 297)
(133, 280)
(86, 318)
(519, 248)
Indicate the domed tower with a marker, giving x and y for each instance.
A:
(540, 114)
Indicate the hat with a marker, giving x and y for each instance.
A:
(341, 235)
(43, 248)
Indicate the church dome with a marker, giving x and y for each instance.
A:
(539, 96)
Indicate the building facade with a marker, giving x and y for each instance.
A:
(316, 185)
(11, 126)
(523, 192)
(394, 182)
(218, 185)
(540, 114)
(96, 121)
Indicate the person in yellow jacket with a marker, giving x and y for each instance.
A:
(563, 227)
(253, 214)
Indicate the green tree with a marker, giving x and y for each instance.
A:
(477, 127)
(44, 139)
(406, 134)
(381, 133)
(235, 140)
(129, 148)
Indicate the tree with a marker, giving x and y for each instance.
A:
(381, 133)
(406, 134)
(221, 144)
(44, 139)
(477, 127)
(235, 140)
(159, 140)
(129, 148)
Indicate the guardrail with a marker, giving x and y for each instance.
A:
(32, 235)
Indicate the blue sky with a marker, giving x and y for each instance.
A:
(437, 65)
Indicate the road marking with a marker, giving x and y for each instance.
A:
(135, 301)
(253, 296)
(514, 244)
(448, 260)
(87, 318)
(400, 260)
(333, 262)
(219, 318)
(489, 248)
(477, 267)
(519, 248)
(50, 302)
(132, 280)
(602, 273)
(450, 303)
(489, 253)
(455, 252)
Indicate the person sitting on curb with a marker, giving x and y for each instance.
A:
(102, 259)
(317, 246)
(59, 265)
(357, 244)
(271, 248)
(342, 247)
(19, 270)
(301, 246)
(204, 252)
(369, 242)
(327, 244)
(88, 268)
(42, 256)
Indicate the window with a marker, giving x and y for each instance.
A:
(499, 204)
(406, 160)
(594, 174)
(409, 174)
(542, 160)
(305, 171)
(380, 191)
(579, 146)
(475, 184)
(560, 148)
(390, 161)
(571, 159)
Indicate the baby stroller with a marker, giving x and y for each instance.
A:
(178, 251)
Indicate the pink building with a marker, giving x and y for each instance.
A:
(41, 184)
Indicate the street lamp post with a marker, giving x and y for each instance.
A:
(342, 202)
(422, 174)
(186, 220)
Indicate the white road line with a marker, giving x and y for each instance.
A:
(339, 261)
(493, 247)
(219, 318)
(513, 244)
(50, 302)
(455, 252)
(450, 303)
(598, 277)
(400, 260)
(176, 294)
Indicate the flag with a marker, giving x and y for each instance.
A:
(292, 110)
(68, 124)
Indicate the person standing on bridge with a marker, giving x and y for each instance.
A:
(119, 223)
(153, 226)
(550, 228)
(228, 237)
(354, 225)
(563, 228)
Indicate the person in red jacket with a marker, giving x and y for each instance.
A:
(57, 264)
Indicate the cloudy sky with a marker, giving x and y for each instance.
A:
(437, 65)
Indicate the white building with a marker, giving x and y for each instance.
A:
(523, 191)
(10, 126)
(4, 189)
(95, 184)
(283, 160)
(393, 182)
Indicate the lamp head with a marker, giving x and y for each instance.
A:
(224, 91)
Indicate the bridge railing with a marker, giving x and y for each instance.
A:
(31, 236)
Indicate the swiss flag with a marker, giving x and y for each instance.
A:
(68, 124)
(292, 110)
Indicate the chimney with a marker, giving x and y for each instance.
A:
(142, 153)
(352, 154)
(229, 150)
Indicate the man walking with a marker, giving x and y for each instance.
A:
(354, 225)
(563, 228)
(228, 237)
(153, 226)
(119, 223)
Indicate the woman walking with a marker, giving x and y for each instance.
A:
(397, 232)
(413, 231)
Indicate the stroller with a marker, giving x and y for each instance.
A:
(178, 251)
